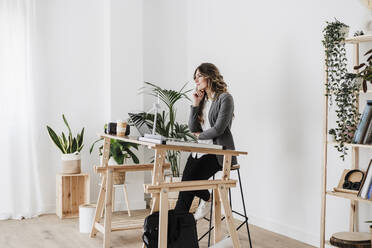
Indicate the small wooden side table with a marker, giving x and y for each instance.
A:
(72, 190)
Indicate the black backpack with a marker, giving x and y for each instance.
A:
(181, 230)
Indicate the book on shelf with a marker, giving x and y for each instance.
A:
(363, 124)
(368, 136)
(366, 184)
(369, 194)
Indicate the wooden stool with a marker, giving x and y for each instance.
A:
(244, 215)
(116, 186)
(351, 240)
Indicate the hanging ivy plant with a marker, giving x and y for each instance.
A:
(341, 86)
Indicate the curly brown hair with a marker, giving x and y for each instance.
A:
(216, 84)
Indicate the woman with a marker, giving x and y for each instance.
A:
(210, 121)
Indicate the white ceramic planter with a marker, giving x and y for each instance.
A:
(86, 217)
(71, 163)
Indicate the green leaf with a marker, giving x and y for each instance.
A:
(117, 154)
(81, 137)
(91, 148)
(74, 146)
(368, 52)
(357, 67)
(65, 120)
(133, 156)
(64, 142)
(80, 148)
(64, 138)
(60, 140)
(55, 139)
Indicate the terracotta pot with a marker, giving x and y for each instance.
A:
(71, 163)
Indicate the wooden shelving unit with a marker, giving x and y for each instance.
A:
(352, 145)
(354, 199)
(348, 196)
(359, 39)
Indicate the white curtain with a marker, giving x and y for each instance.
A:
(20, 195)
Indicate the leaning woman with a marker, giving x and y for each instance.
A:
(210, 121)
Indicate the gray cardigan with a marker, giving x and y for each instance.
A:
(220, 117)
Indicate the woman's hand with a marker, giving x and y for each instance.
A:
(196, 134)
(198, 96)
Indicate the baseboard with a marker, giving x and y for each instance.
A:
(282, 229)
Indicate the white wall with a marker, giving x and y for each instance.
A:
(126, 79)
(71, 78)
(90, 67)
(271, 56)
(165, 52)
(92, 53)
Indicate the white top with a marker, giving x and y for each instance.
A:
(205, 126)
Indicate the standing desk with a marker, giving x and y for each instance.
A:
(159, 190)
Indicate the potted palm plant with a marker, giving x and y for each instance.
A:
(70, 147)
(166, 124)
(120, 152)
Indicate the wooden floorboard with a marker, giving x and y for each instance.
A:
(50, 232)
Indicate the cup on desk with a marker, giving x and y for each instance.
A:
(111, 128)
(121, 127)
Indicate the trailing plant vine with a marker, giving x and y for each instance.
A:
(341, 86)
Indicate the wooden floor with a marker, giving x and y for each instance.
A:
(49, 231)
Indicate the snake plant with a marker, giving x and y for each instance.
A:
(67, 144)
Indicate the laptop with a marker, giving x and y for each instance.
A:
(146, 135)
(141, 126)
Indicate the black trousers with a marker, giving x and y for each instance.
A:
(196, 169)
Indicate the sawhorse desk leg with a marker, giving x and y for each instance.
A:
(229, 216)
(163, 219)
(217, 216)
(104, 200)
(108, 210)
(99, 207)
